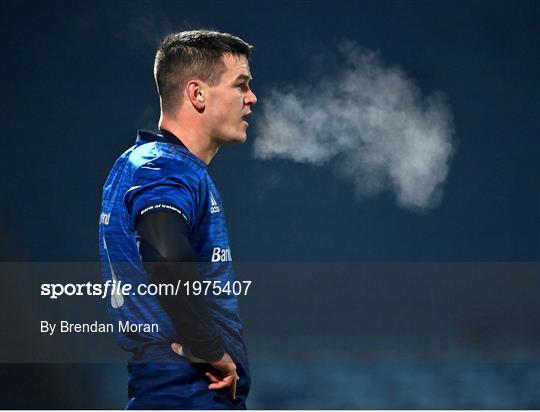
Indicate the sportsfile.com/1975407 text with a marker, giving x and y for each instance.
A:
(114, 287)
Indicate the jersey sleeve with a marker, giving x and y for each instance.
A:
(163, 185)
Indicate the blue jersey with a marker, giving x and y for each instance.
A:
(159, 172)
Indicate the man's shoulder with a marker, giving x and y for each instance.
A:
(160, 158)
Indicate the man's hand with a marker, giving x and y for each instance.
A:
(228, 376)
(225, 366)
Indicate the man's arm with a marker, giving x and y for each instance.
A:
(167, 255)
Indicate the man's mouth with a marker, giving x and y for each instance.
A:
(244, 118)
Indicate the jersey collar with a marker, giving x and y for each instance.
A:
(164, 136)
(161, 135)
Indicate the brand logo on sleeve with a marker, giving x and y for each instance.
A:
(104, 218)
(214, 208)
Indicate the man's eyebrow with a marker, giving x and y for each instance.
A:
(244, 77)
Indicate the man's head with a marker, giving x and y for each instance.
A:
(209, 71)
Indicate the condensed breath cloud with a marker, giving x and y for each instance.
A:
(370, 123)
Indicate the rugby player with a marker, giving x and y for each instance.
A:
(161, 210)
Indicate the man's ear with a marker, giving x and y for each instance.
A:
(195, 93)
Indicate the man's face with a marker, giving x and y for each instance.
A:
(230, 101)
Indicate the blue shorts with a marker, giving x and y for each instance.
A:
(181, 385)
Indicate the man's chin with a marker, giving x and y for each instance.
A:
(235, 140)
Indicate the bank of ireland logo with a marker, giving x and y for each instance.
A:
(214, 208)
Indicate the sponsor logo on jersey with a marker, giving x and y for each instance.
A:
(162, 206)
(221, 255)
(214, 208)
(104, 218)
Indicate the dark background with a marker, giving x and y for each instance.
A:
(77, 83)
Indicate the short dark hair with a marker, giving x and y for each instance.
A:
(192, 54)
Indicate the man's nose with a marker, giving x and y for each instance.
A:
(250, 98)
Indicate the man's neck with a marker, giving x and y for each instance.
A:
(197, 143)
